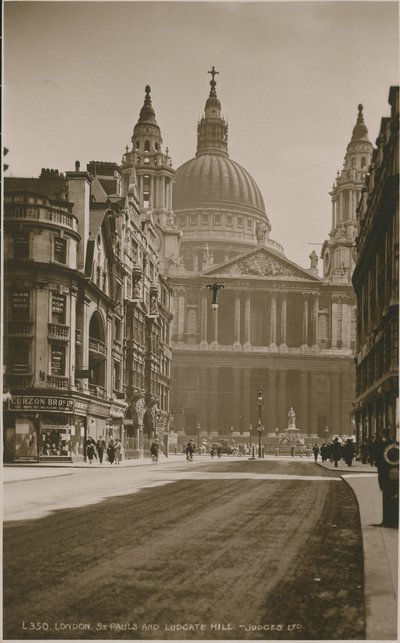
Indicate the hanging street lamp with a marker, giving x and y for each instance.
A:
(214, 288)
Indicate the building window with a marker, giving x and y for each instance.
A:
(118, 330)
(182, 219)
(193, 219)
(217, 219)
(60, 250)
(117, 376)
(20, 305)
(21, 245)
(147, 146)
(250, 223)
(57, 308)
(240, 221)
(57, 357)
(228, 219)
(205, 219)
(19, 357)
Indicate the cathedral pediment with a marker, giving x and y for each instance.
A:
(262, 263)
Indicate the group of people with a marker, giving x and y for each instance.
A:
(335, 451)
(98, 449)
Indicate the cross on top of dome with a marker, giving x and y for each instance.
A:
(213, 82)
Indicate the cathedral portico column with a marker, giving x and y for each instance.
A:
(335, 384)
(179, 398)
(305, 323)
(313, 415)
(236, 400)
(247, 322)
(304, 415)
(204, 401)
(236, 330)
(334, 322)
(283, 321)
(315, 310)
(272, 343)
(214, 420)
(203, 321)
(246, 398)
(283, 405)
(271, 400)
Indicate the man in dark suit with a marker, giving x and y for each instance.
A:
(386, 456)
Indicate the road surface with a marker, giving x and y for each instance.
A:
(229, 549)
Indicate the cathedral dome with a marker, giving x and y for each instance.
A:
(215, 180)
(218, 205)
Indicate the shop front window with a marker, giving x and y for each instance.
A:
(55, 437)
(25, 438)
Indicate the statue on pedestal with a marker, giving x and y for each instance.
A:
(291, 418)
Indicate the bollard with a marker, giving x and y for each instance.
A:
(276, 451)
(253, 453)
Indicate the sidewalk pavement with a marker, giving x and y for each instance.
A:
(380, 546)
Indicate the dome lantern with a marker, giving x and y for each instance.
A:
(212, 130)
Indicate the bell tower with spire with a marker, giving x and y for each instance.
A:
(150, 169)
(338, 252)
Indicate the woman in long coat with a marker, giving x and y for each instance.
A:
(111, 451)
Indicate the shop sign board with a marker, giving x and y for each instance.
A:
(41, 403)
(161, 424)
(81, 408)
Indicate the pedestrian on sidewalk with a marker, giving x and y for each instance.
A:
(315, 452)
(117, 451)
(101, 447)
(336, 453)
(111, 451)
(90, 450)
(349, 451)
(154, 448)
(387, 462)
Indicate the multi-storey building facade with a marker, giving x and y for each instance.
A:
(86, 310)
(376, 283)
(278, 325)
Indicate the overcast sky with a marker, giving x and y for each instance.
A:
(291, 77)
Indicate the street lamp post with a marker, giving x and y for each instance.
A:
(260, 428)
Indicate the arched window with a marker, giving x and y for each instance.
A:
(363, 162)
(147, 146)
